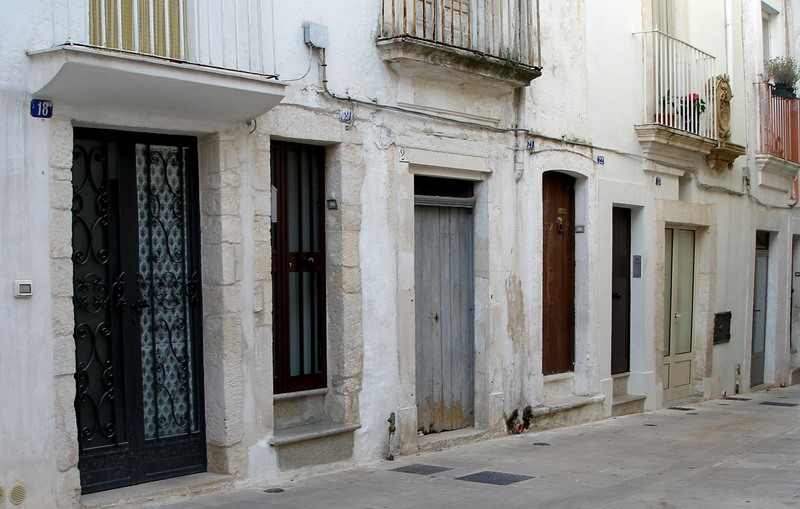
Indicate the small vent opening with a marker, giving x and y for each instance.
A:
(17, 494)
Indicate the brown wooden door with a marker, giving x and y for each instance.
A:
(298, 267)
(558, 279)
(621, 291)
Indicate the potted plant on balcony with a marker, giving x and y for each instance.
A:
(691, 106)
(783, 73)
(665, 114)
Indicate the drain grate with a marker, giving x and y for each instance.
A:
(496, 478)
(681, 408)
(541, 444)
(418, 468)
(777, 403)
(733, 398)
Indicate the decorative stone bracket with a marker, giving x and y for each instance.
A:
(723, 155)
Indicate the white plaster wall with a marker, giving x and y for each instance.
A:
(30, 452)
(386, 229)
(591, 90)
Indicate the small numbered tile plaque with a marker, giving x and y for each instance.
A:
(41, 108)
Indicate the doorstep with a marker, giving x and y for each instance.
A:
(165, 490)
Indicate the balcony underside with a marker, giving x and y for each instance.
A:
(80, 78)
(415, 55)
(678, 146)
(775, 172)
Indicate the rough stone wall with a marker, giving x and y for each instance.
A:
(221, 227)
(63, 321)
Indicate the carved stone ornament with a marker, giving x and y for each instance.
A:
(723, 155)
(724, 96)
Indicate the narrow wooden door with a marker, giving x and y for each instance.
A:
(621, 291)
(679, 273)
(558, 279)
(759, 317)
(444, 315)
(298, 267)
(136, 280)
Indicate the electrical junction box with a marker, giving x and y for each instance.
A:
(315, 35)
(23, 288)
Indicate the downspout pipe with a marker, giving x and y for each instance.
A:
(519, 134)
(729, 38)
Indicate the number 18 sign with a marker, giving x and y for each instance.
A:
(41, 108)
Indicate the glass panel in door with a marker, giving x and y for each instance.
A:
(684, 298)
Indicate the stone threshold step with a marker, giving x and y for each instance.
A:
(627, 398)
(567, 403)
(310, 432)
(164, 491)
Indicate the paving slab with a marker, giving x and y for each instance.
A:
(725, 453)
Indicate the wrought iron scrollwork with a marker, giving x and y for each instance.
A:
(164, 279)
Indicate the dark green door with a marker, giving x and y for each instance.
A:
(136, 281)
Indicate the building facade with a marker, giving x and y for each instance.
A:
(267, 239)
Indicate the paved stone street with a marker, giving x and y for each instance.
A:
(742, 451)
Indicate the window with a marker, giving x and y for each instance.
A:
(768, 14)
(152, 27)
(446, 21)
(664, 16)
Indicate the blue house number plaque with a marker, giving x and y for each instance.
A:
(41, 108)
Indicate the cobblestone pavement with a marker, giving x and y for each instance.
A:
(725, 453)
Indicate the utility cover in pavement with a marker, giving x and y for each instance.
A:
(777, 403)
(496, 478)
(417, 468)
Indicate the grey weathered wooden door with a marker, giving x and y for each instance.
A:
(444, 314)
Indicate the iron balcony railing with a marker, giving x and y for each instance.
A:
(680, 85)
(779, 124)
(501, 28)
(228, 34)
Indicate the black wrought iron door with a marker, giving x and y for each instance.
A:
(136, 280)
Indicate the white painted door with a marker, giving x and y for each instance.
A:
(679, 265)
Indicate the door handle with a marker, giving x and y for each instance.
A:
(616, 295)
(140, 305)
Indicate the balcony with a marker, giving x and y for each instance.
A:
(778, 158)
(683, 98)
(497, 39)
(190, 58)
(679, 82)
